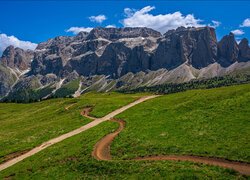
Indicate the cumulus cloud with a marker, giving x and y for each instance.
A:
(160, 22)
(99, 19)
(111, 26)
(6, 41)
(76, 30)
(215, 24)
(246, 23)
(238, 32)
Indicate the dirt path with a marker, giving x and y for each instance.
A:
(102, 148)
(85, 112)
(102, 152)
(72, 133)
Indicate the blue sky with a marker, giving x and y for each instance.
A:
(37, 21)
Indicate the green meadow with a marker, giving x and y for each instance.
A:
(213, 123)
(71, 159)
(24, 126)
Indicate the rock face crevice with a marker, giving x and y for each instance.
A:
(119, 57)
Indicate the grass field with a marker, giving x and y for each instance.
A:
(24, 126)
(71, 159)
(214, 123)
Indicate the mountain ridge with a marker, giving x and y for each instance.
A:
(108, 59)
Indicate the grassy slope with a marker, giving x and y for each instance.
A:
(67, 89)
(23, 126)
(211, 122)
(71, 159)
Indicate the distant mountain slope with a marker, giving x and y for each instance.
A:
(109, 59)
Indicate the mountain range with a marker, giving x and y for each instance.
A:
(107, 59)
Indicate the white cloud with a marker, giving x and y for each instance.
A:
(238, 32)
(6, 41)
(99, 19)
(76, 30)
(246, 23)
(215, 24)
(129, 12)
(160, 22)
(111, 26)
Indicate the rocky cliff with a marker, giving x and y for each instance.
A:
(106, 59)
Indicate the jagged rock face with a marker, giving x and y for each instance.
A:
(228, 50)
(107, 51)
(92, 46)
(196, 46)
(81, 36)
(51, 56)
(113, 60)
(138, 61)
(244, 50)
(43, 64)
(118, 33)
(205, 49)
(16, 58)
(123, 50)
(119, 59)
(55, 44)
(84, 65)
(109, 58)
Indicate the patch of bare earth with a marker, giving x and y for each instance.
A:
(102, 148)
(86, 112)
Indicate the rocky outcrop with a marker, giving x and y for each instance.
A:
(228, 50)
(108, 51)
(16, 58)
(119, 33)
(244, 50)
(195, 46)
(14, 63)
(84, 65)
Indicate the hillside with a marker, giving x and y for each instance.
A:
(211, 123)
(24, 126)
(197, 122)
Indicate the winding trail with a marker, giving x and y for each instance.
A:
(85, 112)
(53, 141)
(102, 152)
(102, 148)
